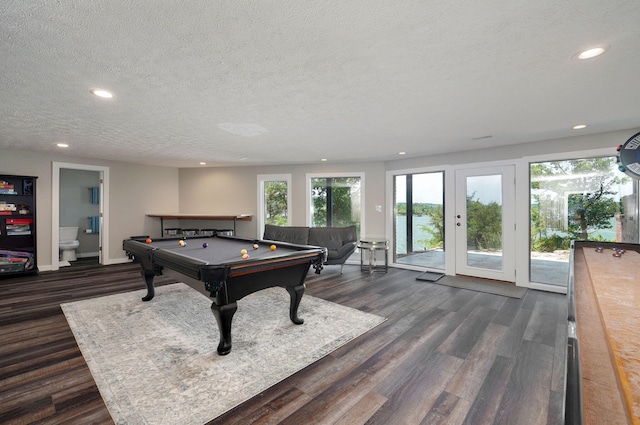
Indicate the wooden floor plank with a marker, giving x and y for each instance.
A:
(487, 402)
(443, 356)
(526, 397)
(469, 378)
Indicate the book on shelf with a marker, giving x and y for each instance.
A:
(18, 226)
(21, 221)
(18, 230)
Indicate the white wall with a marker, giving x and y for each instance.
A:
(556, 146)
(234, 190)
(134, 191)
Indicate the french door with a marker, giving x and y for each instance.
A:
(485, 223)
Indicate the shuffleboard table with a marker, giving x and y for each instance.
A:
(603, 344)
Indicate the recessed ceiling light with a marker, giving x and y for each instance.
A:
(579, 126)
(324, 160)
(402, 153)
(590, 53)
(203, 163)
(102, 93)
(62, 145)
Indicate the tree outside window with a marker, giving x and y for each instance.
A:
(276, 203)
(336, 202)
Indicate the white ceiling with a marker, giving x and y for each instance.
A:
(291, 82)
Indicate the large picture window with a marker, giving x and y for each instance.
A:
(336, 201)
(580, 199)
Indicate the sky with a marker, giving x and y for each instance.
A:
(427, 188)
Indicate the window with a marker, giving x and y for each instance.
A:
(577, 199)
(335, 201)
(274, 200)
(419, 219)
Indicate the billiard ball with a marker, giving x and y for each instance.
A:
(204, 245)
(272, 247)
(148, 240)
(256, 246)
(243, 251)
(182, 243)
(245, 256)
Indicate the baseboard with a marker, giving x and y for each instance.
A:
(122, 260)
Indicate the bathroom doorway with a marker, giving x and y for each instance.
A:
(79, 198)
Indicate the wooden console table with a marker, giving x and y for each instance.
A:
(234, 218)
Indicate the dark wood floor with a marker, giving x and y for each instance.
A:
(444, 356)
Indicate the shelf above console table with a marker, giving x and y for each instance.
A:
(235, 218)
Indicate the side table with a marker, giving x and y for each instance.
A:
(370, 250)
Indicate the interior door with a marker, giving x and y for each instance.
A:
(485, 223)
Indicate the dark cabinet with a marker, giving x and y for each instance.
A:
(17, 225)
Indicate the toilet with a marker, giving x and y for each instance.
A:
(68, 243)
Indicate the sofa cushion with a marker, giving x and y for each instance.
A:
(333, 238)
(290, 234)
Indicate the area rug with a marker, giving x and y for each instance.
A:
(481, 285)
(156, 362)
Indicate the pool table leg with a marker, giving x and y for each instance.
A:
(148, 280)
(295, 293)
(224, 315)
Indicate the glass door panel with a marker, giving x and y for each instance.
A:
(419, 219)
(485, 223)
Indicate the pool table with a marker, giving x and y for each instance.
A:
(603, 344)
(217, 261)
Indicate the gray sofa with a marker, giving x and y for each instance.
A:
(340, 242)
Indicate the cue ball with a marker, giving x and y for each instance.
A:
(245, 256)
(243, 251)
(272, 247)
(148, 240)
(204, 245)
(182, 243)
(256, 246)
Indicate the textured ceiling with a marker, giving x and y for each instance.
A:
(277, 82)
